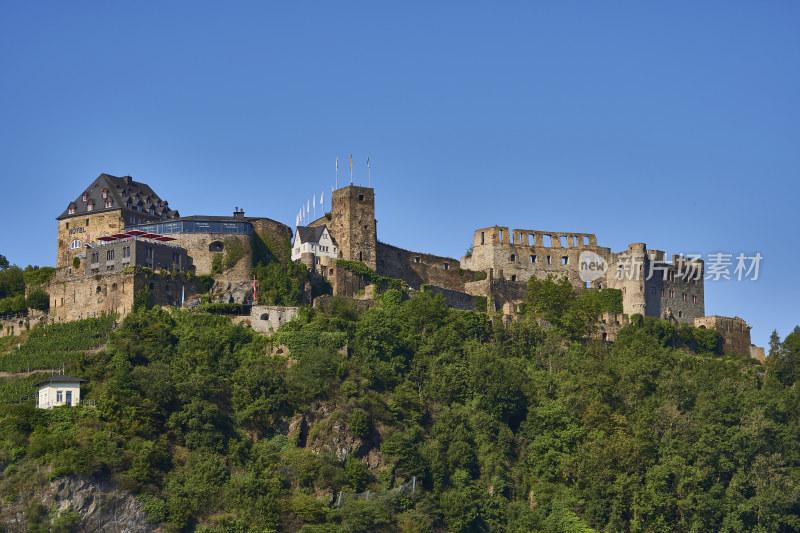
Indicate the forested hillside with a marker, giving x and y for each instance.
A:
(483, 427)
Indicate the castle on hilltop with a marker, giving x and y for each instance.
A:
(117, 224)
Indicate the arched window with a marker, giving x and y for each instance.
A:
(215, 246)
(108, 203)
(90, 206)
(75, 244)
(105, 193)
(71, 209)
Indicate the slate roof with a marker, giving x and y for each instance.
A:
(60, 378)
(311, 234)
(124, 193)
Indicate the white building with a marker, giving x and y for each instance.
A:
(59, 390)
(313, 240)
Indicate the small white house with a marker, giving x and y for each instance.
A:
(313, 240)
(59, 390)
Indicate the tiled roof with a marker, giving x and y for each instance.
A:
(124, 193)
(311, 234)
(60, 378)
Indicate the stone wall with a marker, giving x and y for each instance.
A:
(89, 296)
(82, 297)
(352, 224)
(734, 330)
(454, 299)
(668, 294)
(268, 318)
(202, 247)
(274, 234)
(519, 255)
(14, 325)
(417, 269)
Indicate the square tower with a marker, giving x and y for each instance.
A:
(353, 224)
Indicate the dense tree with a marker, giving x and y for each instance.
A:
(498, 427)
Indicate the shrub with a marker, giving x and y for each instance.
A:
(359, 423)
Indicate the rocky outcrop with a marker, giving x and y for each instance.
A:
(101, 506)
(225, 291)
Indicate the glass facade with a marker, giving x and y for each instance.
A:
(195, 226)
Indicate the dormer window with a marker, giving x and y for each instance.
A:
(90, 206)
(71, 209)
(105, 194)
(85, 197)
(108, 203)
(152, 211)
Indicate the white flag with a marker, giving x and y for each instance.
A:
(308, 207)
(315, 202)
(321, 201)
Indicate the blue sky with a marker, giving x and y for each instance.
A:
(674, 123)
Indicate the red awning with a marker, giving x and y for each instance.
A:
(135, 232)
(106, 238)
(164, 238)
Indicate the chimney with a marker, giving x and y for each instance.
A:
(237, 213)
(126, 179)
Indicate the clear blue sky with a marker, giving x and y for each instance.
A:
(671, 123)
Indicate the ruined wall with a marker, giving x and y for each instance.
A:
(454, 299)
(734, 330)
(268, 318)
(518, 255)
(608, 326)
(14, 325)
(345, 283)
(523, 254)
(757, 352)
(417, 269)
(82, 297)
(90, 296)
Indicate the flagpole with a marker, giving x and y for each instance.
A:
(351, 168)
(337, 172)
(369, 173)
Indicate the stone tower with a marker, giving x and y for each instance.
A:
(353, 224)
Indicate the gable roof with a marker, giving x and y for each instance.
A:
(311, 234)
(124, 193)
(60, 378)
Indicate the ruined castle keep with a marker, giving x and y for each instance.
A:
(500, 263)
(117, 223)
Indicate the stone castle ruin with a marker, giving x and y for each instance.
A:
(118, 223)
